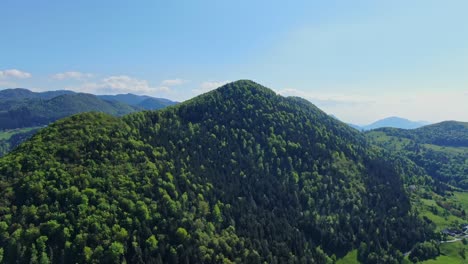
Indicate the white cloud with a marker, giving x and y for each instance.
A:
(173, 82)
(71, 75)
(120, 84)
(209, 85)
(328, 98)
(14, 73)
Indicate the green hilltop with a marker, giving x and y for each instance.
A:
(236, 175)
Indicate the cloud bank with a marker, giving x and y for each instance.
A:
(117, 84)
(208, 86)
(14, 74)
(75, 75)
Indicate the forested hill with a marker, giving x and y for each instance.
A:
(447, 133)
(23, 108)
(239, 174)
(441, 149)
(36, 112)
(140, 101)
(22, 93)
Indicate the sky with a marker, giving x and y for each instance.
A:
(358, 60)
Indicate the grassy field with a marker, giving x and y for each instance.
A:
(450, 253)
(443, 218)
(450, 150)
(6, 134)
(350, 258)
(462, 197)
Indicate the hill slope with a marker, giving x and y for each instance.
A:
(235, 175)
(441, 149)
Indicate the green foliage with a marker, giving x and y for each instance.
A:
(152, 243)
(237, 175)
(182, 234)
(423, 251)
(116, 251)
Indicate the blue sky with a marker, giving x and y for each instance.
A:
(358, 60)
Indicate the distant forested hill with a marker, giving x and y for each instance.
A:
(237, 175)
(391, 122)
(140, 101)
(24, 109)
(36, 112)
(441, 149)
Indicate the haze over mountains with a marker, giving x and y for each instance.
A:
(393, 121)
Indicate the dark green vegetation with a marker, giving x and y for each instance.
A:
(235, 175)
(21, 108)
(37, 112)
(139, 101)
(440, 149)
(425, 250)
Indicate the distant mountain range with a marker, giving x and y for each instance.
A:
(23, 108)
(394, 121)
(23, 112)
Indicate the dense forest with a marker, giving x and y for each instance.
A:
(237, 175)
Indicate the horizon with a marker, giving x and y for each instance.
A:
(422, 122)
(360, 62)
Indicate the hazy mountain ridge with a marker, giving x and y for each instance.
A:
(141, 101)
(394, 121)
(238, 174)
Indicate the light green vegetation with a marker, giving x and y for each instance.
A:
(450, 253)
(349, 258)
(462, 197)
(7, 134)
(441, 217)
(446, 149)
(9, 139)
(444, 211)
(441, 150)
